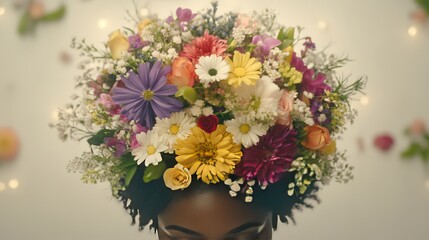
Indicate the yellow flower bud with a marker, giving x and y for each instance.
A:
(144, 23)
(290, 51)
(118, 44)
(330, 148)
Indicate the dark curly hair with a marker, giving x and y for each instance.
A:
(147, 200)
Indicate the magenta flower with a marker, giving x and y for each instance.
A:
(117, 144)
(136, 41)
(147, 95)
(268, 161)
(184, 15)
(264, 44)
(310, 82)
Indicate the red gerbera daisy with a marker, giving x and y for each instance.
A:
(204, 46)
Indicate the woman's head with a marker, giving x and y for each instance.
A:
(207, 211)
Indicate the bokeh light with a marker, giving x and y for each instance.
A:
(2, 11)
(13, 183)
(364, 100)
(322, 24)
(102, 23)
(412, 31)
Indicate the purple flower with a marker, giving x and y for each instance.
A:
(264, 44)
(117, 144)
(136, 41)
(184, 15)
(147, 95)
(315, 107)
(271, 157)
(314, 83)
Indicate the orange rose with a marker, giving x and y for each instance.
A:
(9, 144)
(284, 109)
(317, 137)
(182, 73)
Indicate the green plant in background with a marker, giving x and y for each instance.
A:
(419, 141)
(35, 14)
(424, 4)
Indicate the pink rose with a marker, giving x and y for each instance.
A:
(284, 109)
(418, 127)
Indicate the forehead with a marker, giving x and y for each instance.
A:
(212, 212)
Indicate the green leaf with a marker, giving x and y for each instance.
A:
(153, 172)
(282, 34)
(411, 151)
(130, 175)
(290, 33)
(98, 138)
(26, 24)
(55, 15)
(188, 93)
(127, 161)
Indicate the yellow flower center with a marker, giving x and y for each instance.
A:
(240, 72)
(174, 129)
(245, 128)
(206, 153)
(147, 95)
(150, 149)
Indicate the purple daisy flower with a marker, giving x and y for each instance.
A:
(270, 158)
(147, 95)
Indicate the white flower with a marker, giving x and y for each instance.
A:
(149, 151)
(178, 126)
(207, 111)
(264, 98)
(244, 131)
(211, 68)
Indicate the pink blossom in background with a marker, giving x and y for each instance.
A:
(384, 142)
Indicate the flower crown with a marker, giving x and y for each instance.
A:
(228, 97)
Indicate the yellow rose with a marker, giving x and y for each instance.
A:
(144, 23)
(317, 137)
(118, 44)
(178, 177)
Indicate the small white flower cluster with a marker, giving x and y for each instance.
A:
(239, 34)
(199, 109)
(271, 64)
(304, 171)
(235, 188)
(302, 112)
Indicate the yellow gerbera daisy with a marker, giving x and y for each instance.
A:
(243, 69)
(212, 156)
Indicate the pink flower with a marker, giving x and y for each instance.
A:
(264, 44)
(271, 158)
(247, 22)
(204, 46)
(284, 109)
(106, 100)
(418, 127)
(384, 142)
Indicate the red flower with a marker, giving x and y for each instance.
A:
(204, 46)
(208, 123)
(271, 158)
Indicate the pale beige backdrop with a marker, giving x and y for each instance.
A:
(387, 200)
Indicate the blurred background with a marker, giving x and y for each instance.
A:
(388, 198)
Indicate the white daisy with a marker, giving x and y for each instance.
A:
(178, 126)
(211, 68)
(244, 131)
(150, 149)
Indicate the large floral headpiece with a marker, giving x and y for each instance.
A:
(229, 98)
